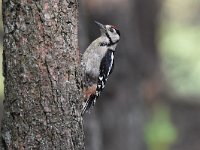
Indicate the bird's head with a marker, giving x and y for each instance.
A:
(110, 31)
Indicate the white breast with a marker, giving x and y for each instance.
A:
(92, 58)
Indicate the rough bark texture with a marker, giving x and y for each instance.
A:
(42, 79)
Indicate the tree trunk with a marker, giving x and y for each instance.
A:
(42, 78)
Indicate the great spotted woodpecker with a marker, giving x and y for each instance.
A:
(98, 63)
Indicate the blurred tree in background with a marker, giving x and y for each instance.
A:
(144, 75)
(179, 45)
(122, 110)
(156, 75)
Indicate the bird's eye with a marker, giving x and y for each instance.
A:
(111, 30)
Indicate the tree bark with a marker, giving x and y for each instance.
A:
(42, 78)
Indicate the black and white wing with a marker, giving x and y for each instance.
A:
(106, 68)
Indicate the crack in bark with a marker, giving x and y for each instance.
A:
(51, 82)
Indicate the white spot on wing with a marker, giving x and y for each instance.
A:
(103, 85)
(111, 64)
(101, 78)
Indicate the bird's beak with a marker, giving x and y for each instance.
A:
(103, 28)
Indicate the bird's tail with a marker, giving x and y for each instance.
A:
(90, 102)
(87, 106)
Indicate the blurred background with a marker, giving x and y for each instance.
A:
(152, 99)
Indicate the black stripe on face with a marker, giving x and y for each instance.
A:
(110, 40)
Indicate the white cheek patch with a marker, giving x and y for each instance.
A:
(114, 36)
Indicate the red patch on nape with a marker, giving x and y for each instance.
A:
(114, 27)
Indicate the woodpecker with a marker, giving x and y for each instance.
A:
(98, 63)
